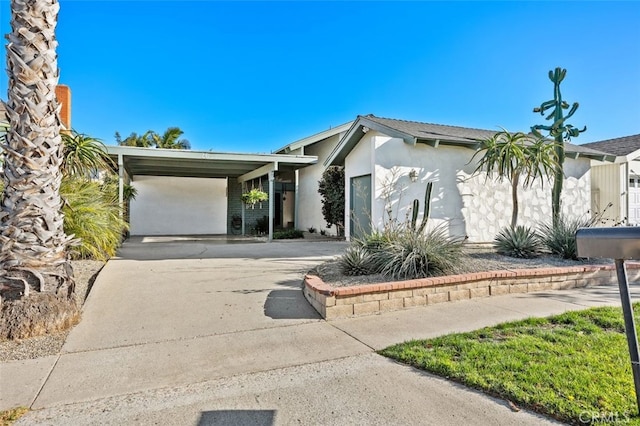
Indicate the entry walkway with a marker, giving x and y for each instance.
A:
(203, 333)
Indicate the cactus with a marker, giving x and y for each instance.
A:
(427, 209)
(560, 131)
(414, 214)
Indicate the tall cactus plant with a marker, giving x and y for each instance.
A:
(560, 131)
(427, 210)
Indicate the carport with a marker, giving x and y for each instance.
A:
(193, 183)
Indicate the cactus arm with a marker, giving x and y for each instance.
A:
(427, 207)
(414, 214)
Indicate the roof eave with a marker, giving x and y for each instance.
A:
(310, 140)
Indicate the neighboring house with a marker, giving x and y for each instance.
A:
(380, 155)
(615, 188)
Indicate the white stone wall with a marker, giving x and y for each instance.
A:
(488, 204)
(466, 204)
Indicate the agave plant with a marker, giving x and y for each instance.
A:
(520, 241)
(560, 238)
(357, 260)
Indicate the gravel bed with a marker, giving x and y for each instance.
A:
(474, 259)
(85, 272)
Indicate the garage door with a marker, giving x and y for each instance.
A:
(178, 206)
(634, 201)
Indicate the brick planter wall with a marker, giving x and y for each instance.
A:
(341, 302)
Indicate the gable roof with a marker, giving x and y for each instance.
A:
(413, 132)
(617, 146)
(310, 140)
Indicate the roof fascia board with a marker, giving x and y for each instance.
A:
(207, 155)
(260, 171)
(631, 156)
(310, 140)
(342, 143)
(356, 132)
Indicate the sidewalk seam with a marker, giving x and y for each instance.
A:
(44, 382)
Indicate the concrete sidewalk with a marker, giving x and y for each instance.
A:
(177, 333)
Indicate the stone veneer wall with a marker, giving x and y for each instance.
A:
(342, 302)
(487, 205)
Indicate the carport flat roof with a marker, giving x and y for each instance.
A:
(187, 163)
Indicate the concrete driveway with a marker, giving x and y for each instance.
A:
(198, 332)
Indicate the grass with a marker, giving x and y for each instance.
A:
(7, 417)
(572, 367)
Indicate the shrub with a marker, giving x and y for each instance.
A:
(262, 225)
(331, 190)
(288, 234)
(408, 254)
(357, 260)
(561, 238)
(520, 241)
(311, 230)
(92, 215)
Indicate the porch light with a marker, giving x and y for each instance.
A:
(413, 175)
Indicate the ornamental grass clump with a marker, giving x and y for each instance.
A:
(409, 254)
(92, 216)
(521, 242)
(560, 238)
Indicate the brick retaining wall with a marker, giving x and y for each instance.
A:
(341, 302)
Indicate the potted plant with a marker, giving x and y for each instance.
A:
(254, 196)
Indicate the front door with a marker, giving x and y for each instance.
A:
(360, 206)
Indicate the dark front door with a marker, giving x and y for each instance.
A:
(360, 206)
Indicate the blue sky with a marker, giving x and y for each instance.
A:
(254, 76)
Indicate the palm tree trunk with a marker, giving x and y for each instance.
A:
(515, 178)
(33, 253)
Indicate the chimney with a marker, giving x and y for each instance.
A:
(63, 93)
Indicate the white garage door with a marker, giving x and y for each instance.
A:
(634, 201)
(178, 206)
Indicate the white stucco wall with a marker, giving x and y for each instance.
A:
(178, 206)
(309, 201)
(464, 203)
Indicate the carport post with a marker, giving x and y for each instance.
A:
(121, 184)
(242, 210)
(272, 178)
(629, 325)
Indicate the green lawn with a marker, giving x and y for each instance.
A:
(574, 367)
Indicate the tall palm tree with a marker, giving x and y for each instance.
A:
(33, 246)
(170, 139)
(140, 141)
(512, 156)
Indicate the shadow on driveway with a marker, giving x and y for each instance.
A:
(145, 248)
